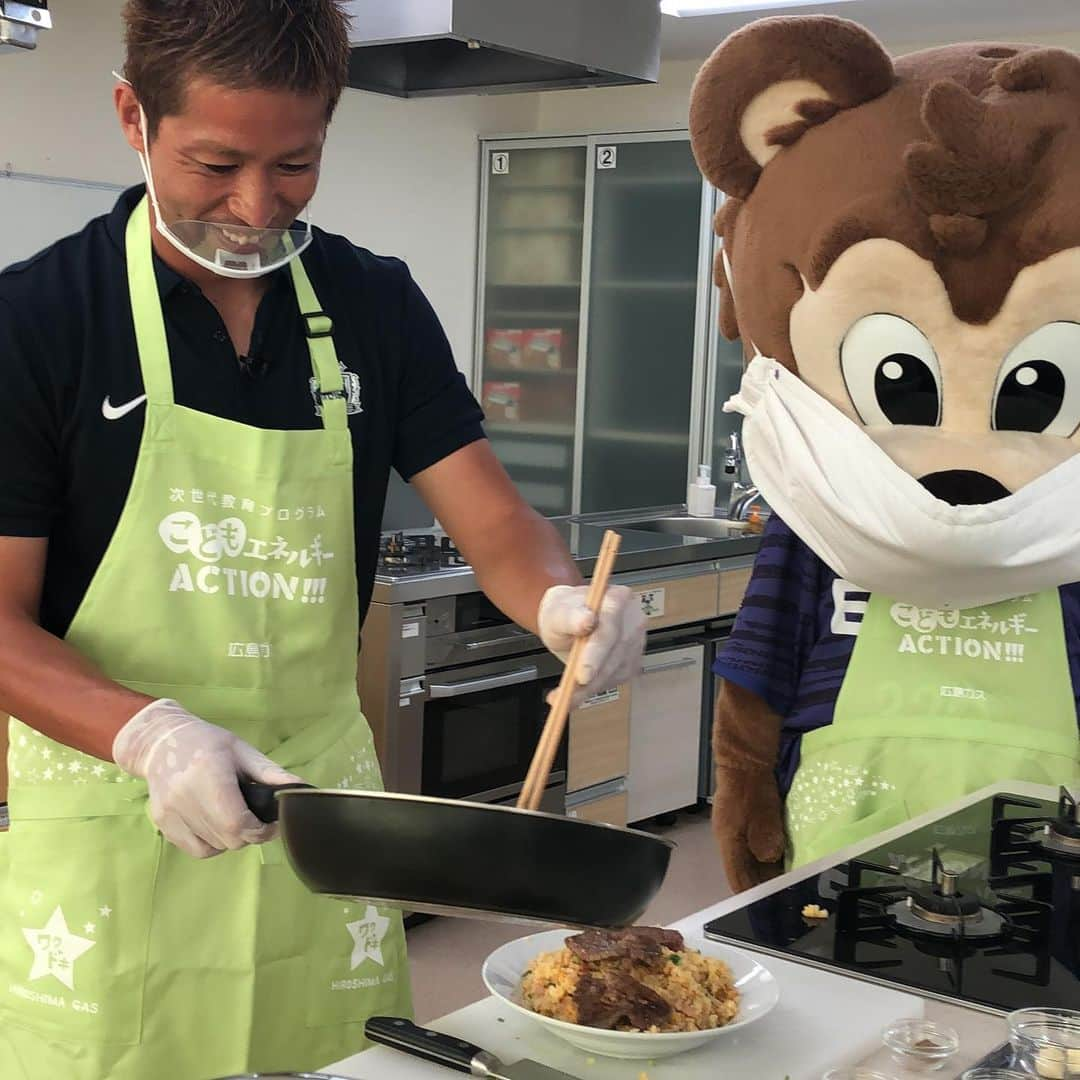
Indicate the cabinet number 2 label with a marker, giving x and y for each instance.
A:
(606, 157)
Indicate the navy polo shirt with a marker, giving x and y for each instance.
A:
(67, 343)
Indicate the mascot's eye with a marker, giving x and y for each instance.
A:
(891, 372)
(1038, 387)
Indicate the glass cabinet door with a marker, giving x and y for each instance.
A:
(643, 290)
(531, 281)
(726, 367)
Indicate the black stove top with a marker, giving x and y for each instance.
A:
(416, 553)
(982, 907)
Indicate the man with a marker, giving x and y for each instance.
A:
(203, 399)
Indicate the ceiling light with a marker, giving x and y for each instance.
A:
(682, 8)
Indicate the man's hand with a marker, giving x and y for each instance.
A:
(616, 635)
(192, 770)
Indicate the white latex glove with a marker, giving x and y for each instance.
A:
(191, 768)
(617, 642)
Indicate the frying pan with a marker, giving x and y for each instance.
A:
(449, 857)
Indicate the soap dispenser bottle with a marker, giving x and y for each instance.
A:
(701, 494)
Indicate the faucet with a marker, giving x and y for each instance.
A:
(741, 495)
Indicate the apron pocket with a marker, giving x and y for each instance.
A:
(77, 901)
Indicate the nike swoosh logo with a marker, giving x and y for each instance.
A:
(117, 412)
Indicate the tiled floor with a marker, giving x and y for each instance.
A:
(446, 954)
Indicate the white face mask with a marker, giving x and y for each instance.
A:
(876, 526)
(234, 251)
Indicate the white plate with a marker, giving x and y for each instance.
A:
(758, 993)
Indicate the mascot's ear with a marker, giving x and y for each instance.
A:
(768, 83)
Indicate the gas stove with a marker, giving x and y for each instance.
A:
(417, 553)
(981, 907)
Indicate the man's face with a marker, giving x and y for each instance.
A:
(233, 157)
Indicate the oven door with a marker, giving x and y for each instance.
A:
(481, 726)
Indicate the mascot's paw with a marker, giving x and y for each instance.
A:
(748, 820)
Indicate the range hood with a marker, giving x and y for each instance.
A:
(423, 48)
(20, 22)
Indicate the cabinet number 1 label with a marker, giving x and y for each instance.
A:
(500, 163)
(606, 157)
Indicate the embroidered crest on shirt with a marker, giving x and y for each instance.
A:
(350, 390)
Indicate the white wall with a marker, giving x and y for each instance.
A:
(400, 177)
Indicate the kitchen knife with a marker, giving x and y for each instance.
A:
(451, 1052)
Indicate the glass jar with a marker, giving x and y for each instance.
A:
(1046, 1042)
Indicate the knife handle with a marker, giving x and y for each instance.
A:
(429, 1045)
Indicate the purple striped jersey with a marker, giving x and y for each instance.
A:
(795, 633)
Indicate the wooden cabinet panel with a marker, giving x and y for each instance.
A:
(599, 741)
(611, 809)
(675, 601)
(733, 588)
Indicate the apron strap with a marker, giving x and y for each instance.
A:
(146, 312)
(153, 343)
(319, 329)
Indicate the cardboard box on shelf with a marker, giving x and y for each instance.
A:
(502, 401)
(549, 401)
(542, 349)
(503, 348)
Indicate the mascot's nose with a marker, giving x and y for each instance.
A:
(964, 487)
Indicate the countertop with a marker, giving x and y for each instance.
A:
(640, 550)
(980, 1032)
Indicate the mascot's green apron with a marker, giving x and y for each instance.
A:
(229, 584)
(936, 705)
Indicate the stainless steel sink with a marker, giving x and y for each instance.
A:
(684, 525)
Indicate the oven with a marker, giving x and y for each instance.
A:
(467, 722)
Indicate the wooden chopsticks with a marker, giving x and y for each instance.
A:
(536, 780)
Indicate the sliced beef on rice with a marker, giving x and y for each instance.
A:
(608, 999)
(644, 944)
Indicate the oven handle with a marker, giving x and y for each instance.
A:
(490, 643)
(489, 682)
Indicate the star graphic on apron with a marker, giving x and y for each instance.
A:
(367, 934)
(56, 949)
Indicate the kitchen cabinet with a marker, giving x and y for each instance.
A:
(593, 317)
(665, 732)
(609, 809)
(675, 596)
(599, 740)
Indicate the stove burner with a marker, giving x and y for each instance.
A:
(976, 922)
(1064, 834)
(419, 553)
(943, 909)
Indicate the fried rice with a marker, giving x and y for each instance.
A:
(699, 989)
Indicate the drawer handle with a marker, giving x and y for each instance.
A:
(671, 665)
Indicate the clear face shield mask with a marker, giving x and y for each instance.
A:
(234, 251)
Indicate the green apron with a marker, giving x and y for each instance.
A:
(935, 705)
(230, 585)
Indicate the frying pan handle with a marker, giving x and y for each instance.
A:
(428, 1045)
(261, 798)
